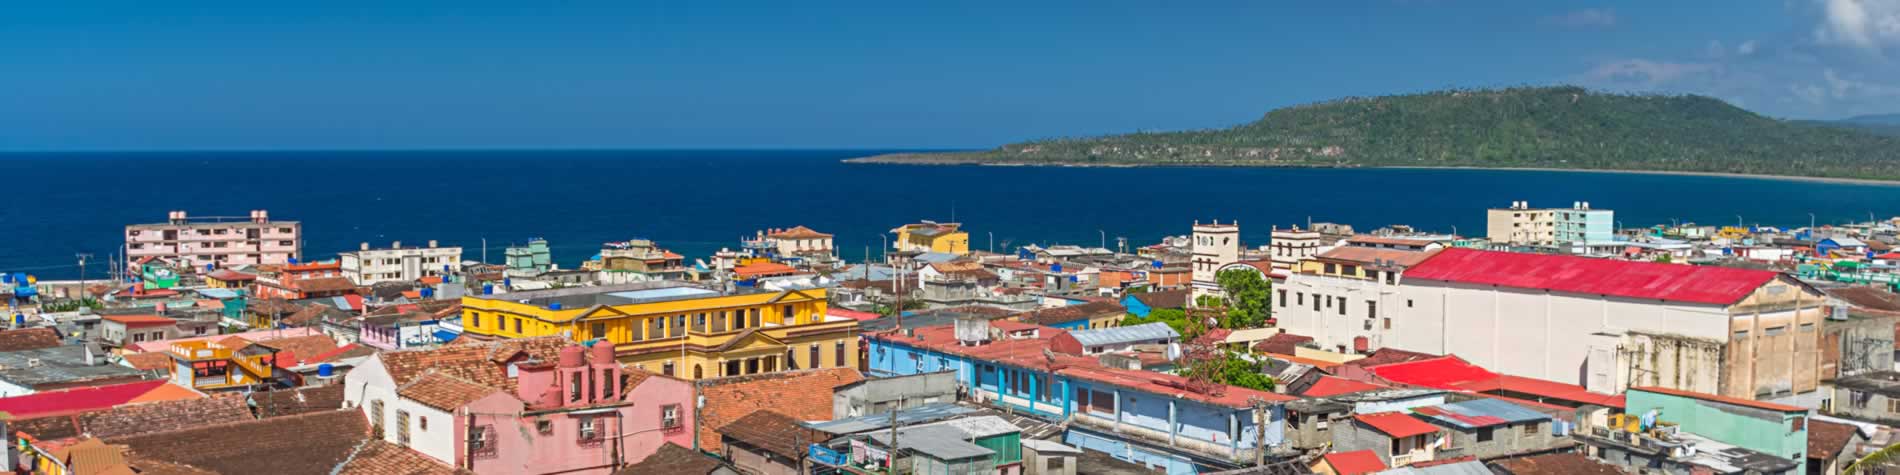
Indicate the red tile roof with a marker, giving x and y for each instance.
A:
(1722, 399)
(444, 392)
(382, 458)
(773, 432)
(1334, 386)
(1283, 343)
(312, 443)
(763, 269)
(1357, 462)
(28, 339)
(1395, 424)
(672, 459)
(1541, 388)
(1385, 356)
(1070, 313)
(1828, 439)
(802, 395)
(798, 232)
(229, 275)
(1583, 275)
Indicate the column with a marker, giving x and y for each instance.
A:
(1118, 411)
(1173, 428)
(1032, 390)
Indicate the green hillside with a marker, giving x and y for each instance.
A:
(1543, 127)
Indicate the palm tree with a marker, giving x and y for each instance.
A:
(1874, 460)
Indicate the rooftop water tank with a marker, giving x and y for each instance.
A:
(488, 289)
(325, 370)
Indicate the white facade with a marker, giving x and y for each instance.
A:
(1334, 310)
(1290, 246)
(1215, 245)
(367, 384)
(398, 264)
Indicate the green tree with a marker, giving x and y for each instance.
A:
(1248, 298)
(1174, 317)
(1238, 371)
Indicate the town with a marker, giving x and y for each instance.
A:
(1554, 341)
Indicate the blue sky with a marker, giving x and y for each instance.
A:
(348, 74)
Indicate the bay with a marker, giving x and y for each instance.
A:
(697, 201)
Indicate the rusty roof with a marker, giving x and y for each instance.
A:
(773, 432)
(482, 363)
(1070, 313)
(382, 458)
(135, 419)
(672, 459)
(1828, 439)
(311, 444)
(28, 339)
(1556, 464)
(308, 399)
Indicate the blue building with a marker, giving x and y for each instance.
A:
(1155, 419)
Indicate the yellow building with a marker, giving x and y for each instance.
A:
(931, 236)
(677, 329)
(1732, 232)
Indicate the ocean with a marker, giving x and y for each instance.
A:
(697, 201)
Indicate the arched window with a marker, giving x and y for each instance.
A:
(698, 373)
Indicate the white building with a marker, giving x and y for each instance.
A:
(1289, 246)
(367, 266)
(1609, 325)
(1521, 225)
(1215, 245)
(1344, 298)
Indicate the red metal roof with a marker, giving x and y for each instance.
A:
(1357, 462)
(74, 401)
(1396, 424)
(1582, 275)
(1334, 386)
(851, 314)
(763, 269)
(1444, 372)
(1722, 399)
(1543, 389)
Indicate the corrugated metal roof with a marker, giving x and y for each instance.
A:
(912, 416)
(939, 442)
(1480, 413)
(1119, 335)
(982, 426)
(1582, 275)
(1459, 468)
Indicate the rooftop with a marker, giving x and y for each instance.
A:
(1395, 425)
(1722, 399)
(672, 459)
(772, 432)
(1583, 275)
(304, 444)
(1555, 464)
(1333, 386)
(1146, 332)
(383, 458)
(76, 400)
(60, 365)
(802, 395)
(938, 442)
(906, 417)
(1479, 413)
(626, 294)
(1357, 462)
(1070, 313)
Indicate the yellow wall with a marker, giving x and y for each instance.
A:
(1317, 267)
(632, 328)
(952, 243)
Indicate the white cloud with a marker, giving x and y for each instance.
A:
(1868, 24)
(1746, 48)
(1644, 73)
(1848, 89)
(1585, 18)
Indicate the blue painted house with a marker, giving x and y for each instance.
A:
(1142, 304)
(1155, 419)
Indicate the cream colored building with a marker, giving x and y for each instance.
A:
(1609, 325)
(367, 266)
(1215, 245)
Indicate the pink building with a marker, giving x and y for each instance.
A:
(538, 405)
(224, 241)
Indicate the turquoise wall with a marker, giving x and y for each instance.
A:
(1758, 429)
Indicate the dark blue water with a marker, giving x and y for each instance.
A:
(698, 201)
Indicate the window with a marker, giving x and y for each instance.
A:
(198, 331)
(667, 368)
(481, 441)
(517, 325)
(698, 372)
(588, 434)
(1332, 268)
(785, 312)
(1372, 309)
(1741, 335)
(545, 427)
(1484, 434)
(607, 383)
(1408, 303)
(574, 390)
(1299, 298)
(813, 360)
(699, 322)
(1531, 429)
(1055, 465)
(1893, 406)
(755, 318)
(1797, 424)
(1388, 323)
(422, 423)
(1774, 331)
(1282, 298)
(402, 427)
(598, 330)
(679, 326)
(838, 354)
(376, 418)
(670, 416)
(1349, 270)
(1342, 306)
(1807, 328)
(138, 337)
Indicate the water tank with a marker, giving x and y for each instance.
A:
(325, 370)
(602, 354)
(570, 357)
(554, 306)
(1057, 267)
(292, 260)
(488, 289)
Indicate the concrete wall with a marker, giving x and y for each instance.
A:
(1505, 440)
(757, 461)
(879, 396)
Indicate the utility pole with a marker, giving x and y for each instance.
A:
(82, 275)
(890, 458)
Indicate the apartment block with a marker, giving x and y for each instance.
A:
(367, 266)
(221, 241)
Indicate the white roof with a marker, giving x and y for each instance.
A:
(981, 426)
(1049, 447)
(1118, 335)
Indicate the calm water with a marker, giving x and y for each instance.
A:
(698, 201)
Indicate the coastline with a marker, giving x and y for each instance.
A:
(919, 159)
